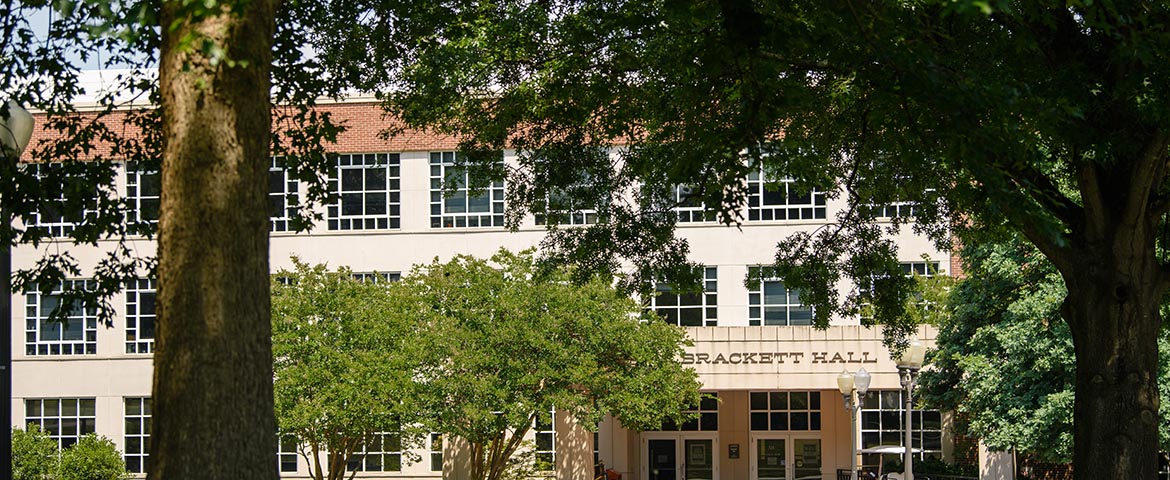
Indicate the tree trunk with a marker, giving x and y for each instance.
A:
(1112, 307)
(213, 403)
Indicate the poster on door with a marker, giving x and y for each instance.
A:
(773, 453)
(698, 455)
(810, 454)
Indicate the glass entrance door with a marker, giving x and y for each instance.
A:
(700, 458)
(786, 457)
(680, 456)
(771, 459)
(663, 458)
(806, 458)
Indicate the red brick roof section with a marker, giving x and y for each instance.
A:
(365, 121)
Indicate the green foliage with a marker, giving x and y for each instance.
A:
(34, 454)
(1005, 359)
(89, 132)
(506, 341)
(92, 458)
(344, 355)
(1044, 118)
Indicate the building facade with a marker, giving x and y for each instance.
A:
(774, 414)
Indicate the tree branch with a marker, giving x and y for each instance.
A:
(1144, 178)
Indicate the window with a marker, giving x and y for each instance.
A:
(142, 193)
(460, 208)
(546, 447)
(597, 447)
(771, 303)
(898, 207)
(922, 269)
(436, 449)
(54, 216)
(883, 423)
(688, 207)
(282, 195)
(65, 419)
(377, 277)
(367, 192)
(75, 334)
(785, 411)
(691, 309)
(892, 209)
(562, 209)
(782, 199)
(707, 421)
(286, 453)
(140, 301)
(382, 453)
(137, 435)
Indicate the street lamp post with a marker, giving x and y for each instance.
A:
(15, 131)
(908, 365)
(848, 384)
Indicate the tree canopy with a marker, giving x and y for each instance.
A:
(345, 354)
(36, 456)
(505, 344)
(1005, 361)
(1047, 118)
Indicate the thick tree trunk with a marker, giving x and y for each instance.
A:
(213, 404)
(1112, 306)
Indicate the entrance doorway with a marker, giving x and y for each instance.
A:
(777, 456)
(680, 456)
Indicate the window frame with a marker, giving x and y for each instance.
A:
(758, 307)
(435, 439)
(708, 301)
(707, 421)
(135, 290)
(774, 410)
(36, 319)
(59, 226)
(287, 453)
(376, 277)
(336, 218)
(136, 176)
(281, 218)
(441, 163)
(545, 435)
(791, 208)
(83, 423)
(142, 419)
(359, 460)
(688, 209)
(875, 404)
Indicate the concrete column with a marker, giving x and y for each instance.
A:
(456, 458)
(995, 465)
(574, 449)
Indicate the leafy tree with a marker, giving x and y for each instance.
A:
(34, 454)
(345, 353)
(92, 458)
(1005, 360)
(506, 342)
(1047, 118)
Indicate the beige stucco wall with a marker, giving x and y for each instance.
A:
(112, 375)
